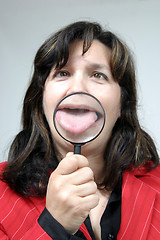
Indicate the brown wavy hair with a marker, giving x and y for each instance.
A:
(32, 155)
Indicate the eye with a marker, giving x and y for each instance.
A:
(61, 74)
(99, 76)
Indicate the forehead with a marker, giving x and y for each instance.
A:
(97, 53)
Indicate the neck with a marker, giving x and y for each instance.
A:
(96, 163)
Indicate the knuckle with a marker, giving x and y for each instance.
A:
(57, 182)
(94, 186)
(57, 185)
(64, 196)
(89, 173)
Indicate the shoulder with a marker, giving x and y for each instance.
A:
(151, 178)
(2, 166)
(8, 197)
(18, 215)
(5, 191)
(11, 205)
(3, 185)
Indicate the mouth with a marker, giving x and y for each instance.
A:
(77, 118)
(80, 111)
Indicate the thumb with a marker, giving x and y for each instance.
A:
(69, 154)
(71, 163)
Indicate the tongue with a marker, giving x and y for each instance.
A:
(75, 121)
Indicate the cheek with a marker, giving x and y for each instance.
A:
(48, 108)
(112, 106)
(50, 97)
(48, 104)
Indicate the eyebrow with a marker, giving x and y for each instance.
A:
(93, 65)
(98, 66)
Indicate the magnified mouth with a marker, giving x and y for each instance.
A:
(77, 119)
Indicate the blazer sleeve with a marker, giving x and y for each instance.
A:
(36, 233)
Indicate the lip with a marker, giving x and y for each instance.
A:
(78, 107)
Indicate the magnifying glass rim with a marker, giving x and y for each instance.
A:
(74, 93)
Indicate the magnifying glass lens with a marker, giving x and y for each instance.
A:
(79, 118)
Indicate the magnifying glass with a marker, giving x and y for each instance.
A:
(79, 118)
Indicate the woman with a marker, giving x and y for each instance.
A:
(111, 190)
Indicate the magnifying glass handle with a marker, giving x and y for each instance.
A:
(77, 148)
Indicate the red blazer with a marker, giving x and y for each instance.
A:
(140, 214)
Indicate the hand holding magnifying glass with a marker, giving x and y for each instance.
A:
(79, 118)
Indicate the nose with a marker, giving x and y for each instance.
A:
(78, 83)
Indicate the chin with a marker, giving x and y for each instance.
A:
(62, 148)
(93, 148)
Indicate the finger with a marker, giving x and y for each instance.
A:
(86, 189)
(81, 176)
(89, 202)
(71, 163)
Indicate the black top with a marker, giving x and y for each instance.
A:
(110, 222)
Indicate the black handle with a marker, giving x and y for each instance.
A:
(77, 149)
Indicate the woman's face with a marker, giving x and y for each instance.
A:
(88, 73)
